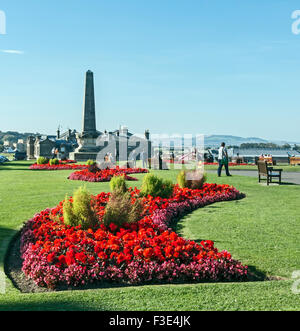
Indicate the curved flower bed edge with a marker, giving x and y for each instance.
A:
(158, 255)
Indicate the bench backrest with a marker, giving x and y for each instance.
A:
(294, 159)
(269, 159)
(262, 167)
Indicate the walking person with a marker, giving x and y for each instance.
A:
(133, 156)
(53, 153)
(223, 160)
(56, 153)
(144, 159)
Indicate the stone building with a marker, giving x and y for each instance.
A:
(43, 145)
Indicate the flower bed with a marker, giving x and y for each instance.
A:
(106, 174)
(231, 164)
(63, 165)
(144, 252)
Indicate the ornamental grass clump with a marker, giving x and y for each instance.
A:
(42, 160)
(121, 209)
(181, 179)
(54, 162)
(193, 179)
(94, 168)
(118, 183)
(90, 162)
(156, 186)
(80, 211)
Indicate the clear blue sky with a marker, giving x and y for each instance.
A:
(172, 66)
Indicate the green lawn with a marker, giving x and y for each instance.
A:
(261, 230)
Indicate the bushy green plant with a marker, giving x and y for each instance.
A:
(80, 211)
(54, 162)
(120, 209)
(90, 162)
(94, 168)
(181, 179)
(69, 217)
(193, 179)
(118, 183)
(42, 160)
(156, 186)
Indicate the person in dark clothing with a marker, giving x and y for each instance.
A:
(223, 160)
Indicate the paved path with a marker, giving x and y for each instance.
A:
(287, 177)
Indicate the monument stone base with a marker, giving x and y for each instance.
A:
(83, 157)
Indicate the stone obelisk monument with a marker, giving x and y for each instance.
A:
(87, 149)
(89, 116)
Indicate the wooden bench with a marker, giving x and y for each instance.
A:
(268, 172)
(294, 160)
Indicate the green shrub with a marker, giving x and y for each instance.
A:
(193, 179)
(42, 160)
(120, 210)
(80, 212)
(181, 179)
(54, 162)
(69, 217)
(91, 162)
(94, 168)
(118, 183)
(156, 186)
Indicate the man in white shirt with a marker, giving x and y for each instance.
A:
(223, 160)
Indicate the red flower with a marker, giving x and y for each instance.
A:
(113, 227)
(81, 257)
(102, 256)
(70, 257)
(62, 259)
(168, 251)
(51, 257)
(148, 253)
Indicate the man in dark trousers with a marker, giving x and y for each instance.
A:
(223, 160)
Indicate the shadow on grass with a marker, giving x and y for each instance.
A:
(57, 305)
(6, 237)
(17, 165)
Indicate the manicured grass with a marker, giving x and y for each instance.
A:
(262, 231)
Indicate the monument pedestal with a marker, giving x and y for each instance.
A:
(87, 149)
(83, 156)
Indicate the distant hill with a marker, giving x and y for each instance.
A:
(216, 140)
(213, 141)
(13, 136)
